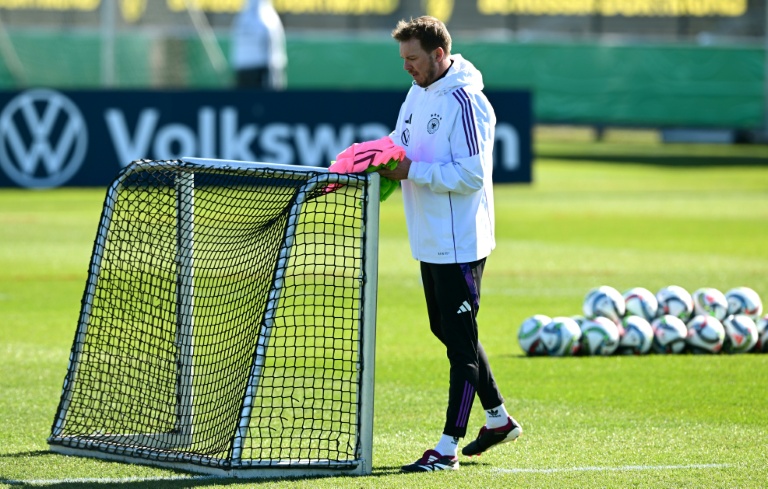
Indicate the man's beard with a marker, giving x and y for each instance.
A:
(431, 75)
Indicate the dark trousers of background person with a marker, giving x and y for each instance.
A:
(452, 292)
(253, 78)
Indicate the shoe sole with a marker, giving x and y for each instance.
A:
(424, 468)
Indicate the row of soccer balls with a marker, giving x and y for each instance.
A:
(639, 322)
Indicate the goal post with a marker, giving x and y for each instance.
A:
(228, 322)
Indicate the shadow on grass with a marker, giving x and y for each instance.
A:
(35, 453)
(179, 479)
(663, 160)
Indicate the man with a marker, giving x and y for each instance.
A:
(446, 126)
(258, 47)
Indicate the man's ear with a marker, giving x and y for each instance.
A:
(439, 54)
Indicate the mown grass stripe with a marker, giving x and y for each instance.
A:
(625, 468)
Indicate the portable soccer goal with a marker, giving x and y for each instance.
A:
(228, 322)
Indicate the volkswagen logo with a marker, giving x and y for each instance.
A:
(43, 139)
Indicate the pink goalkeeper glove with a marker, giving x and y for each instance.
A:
(358, 157)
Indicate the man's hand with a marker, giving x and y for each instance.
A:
(399, 173)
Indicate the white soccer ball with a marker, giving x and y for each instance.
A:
(762, 335)
(743, 300)
(529, 335)
(560, 337)
(669, 333)
(675, 301)
(604, 301)
(641, 302)
(637, 337)
(740, 334)
(706, 334)
(709, 301)
(599, 336)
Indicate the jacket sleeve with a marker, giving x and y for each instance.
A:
(471, 143)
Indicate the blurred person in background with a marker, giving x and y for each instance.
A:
(258, 47)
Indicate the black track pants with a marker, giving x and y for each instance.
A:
(453, 300)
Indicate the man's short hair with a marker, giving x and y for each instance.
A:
(430, 32)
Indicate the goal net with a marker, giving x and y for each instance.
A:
(228, 322)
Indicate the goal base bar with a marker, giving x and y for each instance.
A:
(251, 470)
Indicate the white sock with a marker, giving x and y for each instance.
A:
(496, 417)
(448, 445)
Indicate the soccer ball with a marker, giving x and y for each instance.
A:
(560, 337)
(579, 319)
(675, 301)
(529, 335)
(710, 302)
(740, 333)
(762, 335)
(743, 300)
(599, 336)
(706, 334)
(637, 337)
(641, 302)
(669, 333)
(604, 301)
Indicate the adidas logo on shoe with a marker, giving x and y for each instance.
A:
(464, 308)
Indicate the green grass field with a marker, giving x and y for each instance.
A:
(626, 213)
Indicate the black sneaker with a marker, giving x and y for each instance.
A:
(490, 437)
(432, 461)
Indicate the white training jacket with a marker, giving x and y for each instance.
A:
(447, 129)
